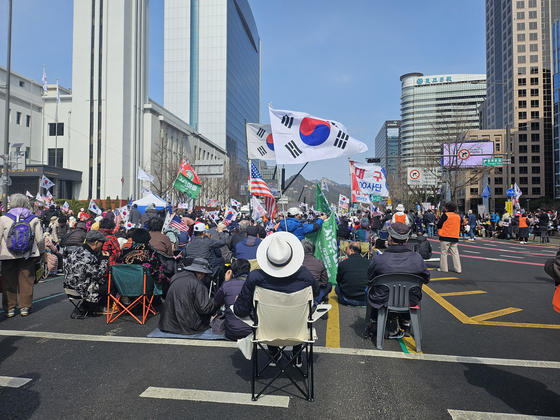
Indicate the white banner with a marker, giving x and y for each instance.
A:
(368, 179)
(301, 138)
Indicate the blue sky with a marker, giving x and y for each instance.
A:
(334, 59)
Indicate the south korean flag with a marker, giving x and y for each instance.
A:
(259, 142)
(301, 138)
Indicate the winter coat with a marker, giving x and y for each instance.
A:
(148, 214)
(352, 276)
(203, 248)
(35, 225)
(52, 259)
(247, 248)
(161, 243)
(317, 269)
(84, 272)
(298, 228)
(226, 295)
(76, 238)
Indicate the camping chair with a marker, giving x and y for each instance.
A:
(281, 320)
(73, 296)
(342, 245)
(133, 281)
(399, 285)
(365, 249)
(413, 245)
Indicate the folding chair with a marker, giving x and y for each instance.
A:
(365, 249)
(342, 245)
(413, 245)
(74, 297)
(132, 281)
(281, 320)
(399, 285)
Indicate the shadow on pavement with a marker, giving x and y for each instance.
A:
(523, 395)
(20, 403)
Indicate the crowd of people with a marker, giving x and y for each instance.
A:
(237, 255)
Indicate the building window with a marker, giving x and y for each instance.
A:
(474, 191)
(535, 137)
(534, 81)
(21, 83)
(498, 191)
(535, 126)
(534, 115)
(524, 190)
(521, 59)
(520, 26)
(522, 82)
(520, 37)
(522, 148)
(534, 103)
(523, 180)
(497, 146)
(522, 104)
(523, 137)
(534, 58)
(521, 70)
(522, 126)
(513, 159)
(498, 180)
(532, 26)
(536, 170)
(522, 159)
(536, 191)
(532, 14)
(512, 172)
(522, 115)
(59, 157)
(522, 92)
(523, 170)
(535, 70)
(520, 15)
(536, 180)
(534, 92)
(534, 47)
(27, 120)
(521, 5)
(521, 48)
(18, 118)
(56, 130)
(535, 159)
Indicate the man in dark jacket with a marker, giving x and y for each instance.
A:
(430, 221)
(187, 308)
(317, 268)
(150, 213)
(396, 259)
(343, 231)
(134, 215)
(280, 257)
(201, 245)
(77, 236)
(247, 248)
(238, 237)
(352, 277)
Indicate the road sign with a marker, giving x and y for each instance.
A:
(376, 198)
(492, 161)
(414, 174)
(510, 192)
(464, 154)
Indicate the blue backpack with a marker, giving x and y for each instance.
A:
(20, 237)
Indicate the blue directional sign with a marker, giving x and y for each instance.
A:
(510, 192)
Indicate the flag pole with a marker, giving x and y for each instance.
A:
(5, 178)
(249, 178)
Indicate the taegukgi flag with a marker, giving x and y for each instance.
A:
(301, 138)
(46, 182)
(93, 207)
(259, 141)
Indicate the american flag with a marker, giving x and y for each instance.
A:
(270, 204)
(177, 223)
(258, 186)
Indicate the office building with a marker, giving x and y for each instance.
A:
(212, 69)
(556, 105)
(387, 146)
(519, 71)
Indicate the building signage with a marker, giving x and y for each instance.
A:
(432, 80)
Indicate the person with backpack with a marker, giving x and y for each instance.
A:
(21, 237)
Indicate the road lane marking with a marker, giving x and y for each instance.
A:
(511, 256)
(471, 252)
(333, 323)
(444, 278)
(42, 299)
(408, 345)
(317, 349)
(10, 382)
(481, 415)
(498, 259)
(214, 397)
(450, 308)
(470, 292)
(495, 314)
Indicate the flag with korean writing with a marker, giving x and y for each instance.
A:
(301, 138)
(259, 142)
(367, 179)
(326, 246)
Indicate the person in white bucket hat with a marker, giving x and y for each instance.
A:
(280, 257)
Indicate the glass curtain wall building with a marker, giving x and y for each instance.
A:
(435, 109)
(387, 146)
(212, 69)
(556, 88)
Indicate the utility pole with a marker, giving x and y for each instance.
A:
(7, 113)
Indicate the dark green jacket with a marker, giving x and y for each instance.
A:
(352, 276)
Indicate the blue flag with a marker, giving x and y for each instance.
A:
(130, 202)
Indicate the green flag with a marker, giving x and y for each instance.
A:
(321, 203)
(326, 248)
(186, 185)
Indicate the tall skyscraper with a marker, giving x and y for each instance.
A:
(108, 106)
(387, 146)
(212, 69)
(518, 73)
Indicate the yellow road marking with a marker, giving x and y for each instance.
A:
(471, 292)
(410, 344)
(450, 308)
(520, 325)
(495, 314)
(333, 323)
(444, 278)
(430, 269)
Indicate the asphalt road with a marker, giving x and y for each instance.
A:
(490, 345)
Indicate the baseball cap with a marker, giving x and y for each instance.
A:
(398, 231)
(199, 227)
(95, 235)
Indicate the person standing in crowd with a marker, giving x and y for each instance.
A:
(18, 271)
(523, 223)
(449, 226)
(134, 215)
(295, 225)
(471, 222)
(60, 229)
(430, 222)
(150, 213)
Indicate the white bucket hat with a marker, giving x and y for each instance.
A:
(400, 207)
(280, 254)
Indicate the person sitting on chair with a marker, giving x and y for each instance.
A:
(187, 308)
(396, 259)
(352, 277)
(201, 246)
(226, 295)
(425, 248)
(247, 248)
(280, 256)
(317, 268)
(85, 267)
